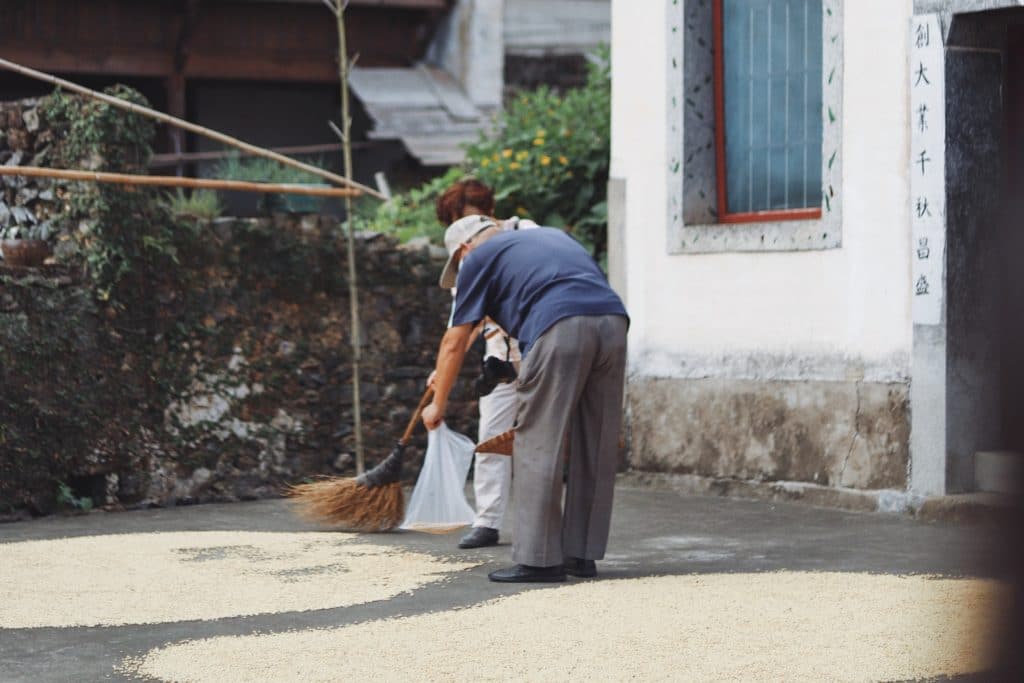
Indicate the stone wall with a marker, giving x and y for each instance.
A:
(26, 204)
(236, 382)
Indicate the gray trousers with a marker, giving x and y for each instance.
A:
(571, 386)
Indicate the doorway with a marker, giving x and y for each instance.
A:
(1012, 347)
(984, 333)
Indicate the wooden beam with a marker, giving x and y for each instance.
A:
(257, 67)
(143, 63)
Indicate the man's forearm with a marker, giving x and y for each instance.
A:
(449, 361)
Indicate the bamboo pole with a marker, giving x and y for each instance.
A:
(344, 66)
(185, 125)
(174, 181)
(172, 158)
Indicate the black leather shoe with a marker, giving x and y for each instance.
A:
(479, 537)
(577, 566)
(523, 573)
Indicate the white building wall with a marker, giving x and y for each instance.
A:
(837, 314)
(778, 365)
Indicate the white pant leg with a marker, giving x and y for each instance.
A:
(492, 473)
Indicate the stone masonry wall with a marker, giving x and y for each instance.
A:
(26, 204)
(243, 383)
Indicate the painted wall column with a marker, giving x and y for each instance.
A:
(928, 230)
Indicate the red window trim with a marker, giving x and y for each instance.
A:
(724, 217)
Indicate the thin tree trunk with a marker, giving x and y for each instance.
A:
(353, 287)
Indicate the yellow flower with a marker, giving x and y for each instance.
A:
(545, 160)
(568, 174)
(514, 166)
(538, 142)
(566, 133)
(525, 100)
(522, 212)
(485, 161)
(495, 156)
(563, 161)
(541, 133)
(498, 169)
(507, 153)
(522, 155)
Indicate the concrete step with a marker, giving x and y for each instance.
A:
(999, 472)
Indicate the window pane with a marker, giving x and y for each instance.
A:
(773, 119)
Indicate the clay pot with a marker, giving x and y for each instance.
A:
(26, 253)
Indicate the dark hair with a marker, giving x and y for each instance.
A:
(468, 192)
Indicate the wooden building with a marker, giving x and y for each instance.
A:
(430, 73)
(265, 70)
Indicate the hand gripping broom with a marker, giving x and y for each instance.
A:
(372, 501)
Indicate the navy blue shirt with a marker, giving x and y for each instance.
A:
(527, 281)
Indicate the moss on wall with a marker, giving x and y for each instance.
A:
(162, 361)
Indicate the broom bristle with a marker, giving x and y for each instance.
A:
(353, 506)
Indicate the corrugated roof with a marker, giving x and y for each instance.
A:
(422, 106)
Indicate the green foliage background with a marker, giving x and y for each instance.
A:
(547, 159)
(122, 232)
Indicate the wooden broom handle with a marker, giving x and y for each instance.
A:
(424, 402)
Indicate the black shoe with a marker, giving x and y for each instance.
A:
(479, 537)
(523, 573)
(577, 566)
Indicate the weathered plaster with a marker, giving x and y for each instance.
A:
(758, 365)
(846, 434)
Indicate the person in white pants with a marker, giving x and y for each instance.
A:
(492, 472)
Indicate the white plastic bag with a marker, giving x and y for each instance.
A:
(438, 502)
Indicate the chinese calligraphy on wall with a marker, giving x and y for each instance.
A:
(927, 167)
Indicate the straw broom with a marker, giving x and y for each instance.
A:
(373, 501)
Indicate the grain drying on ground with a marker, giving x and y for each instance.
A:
(725, 627)
(166, 577)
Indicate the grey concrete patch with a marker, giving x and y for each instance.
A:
(961, 508)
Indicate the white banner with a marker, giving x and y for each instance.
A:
(927, 167)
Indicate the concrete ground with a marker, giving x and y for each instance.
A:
(654, 533)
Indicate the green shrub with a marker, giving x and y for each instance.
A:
(199, 204)
(262, 170)
(412, 214)
(118, 230)
(546, 158)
